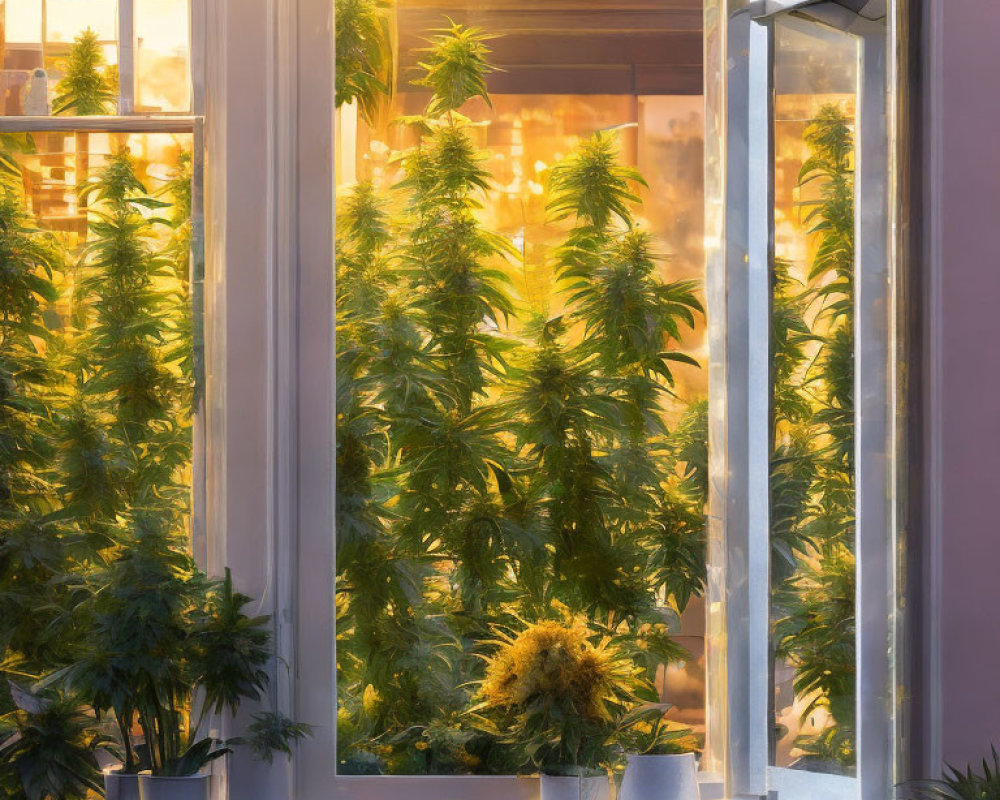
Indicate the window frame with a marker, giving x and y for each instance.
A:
(125, 122)
(749, 251)
(300, 114)
(293, 549)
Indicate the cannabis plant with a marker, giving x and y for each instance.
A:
(38, 545)
(551, 690)
(47, 748)
(957, 784)
(85, 89)
(271, 733)
(161, 630)
(419, 305)
(629, 319)
(132, 367)
(496, 468)
(364, 62)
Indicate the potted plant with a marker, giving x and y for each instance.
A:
(161, 631)
(560, 695)
(959, 784)
(661, 759)
(47, 747)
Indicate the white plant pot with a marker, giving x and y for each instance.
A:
(667, 777)
(559, 787)
(119, 786)
(190, 787)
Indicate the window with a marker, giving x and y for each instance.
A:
(522, 381)
(795, 656)
(102, 336)
(144, 47)
(432, 572)
(811, 586)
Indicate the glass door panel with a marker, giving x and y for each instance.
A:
(812, 478)
(808, 268)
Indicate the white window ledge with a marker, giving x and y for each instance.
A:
(471, 787)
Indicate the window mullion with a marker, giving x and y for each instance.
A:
(760, 256)
(875, 538)
(745, 735)
(126, 56)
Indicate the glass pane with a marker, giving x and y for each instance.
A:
(522, 388)
(52, 50)
(163, 56)
(97, 364)
(40, 36)
(65, 19)
(813, 573)
(715, 20)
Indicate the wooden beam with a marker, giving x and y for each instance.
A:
(605, 6)
(589, 48)
(508, 21)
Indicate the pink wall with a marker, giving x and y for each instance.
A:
(962, 69)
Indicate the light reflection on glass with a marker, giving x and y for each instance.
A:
(163, 62)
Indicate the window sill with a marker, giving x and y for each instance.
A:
(472, 787)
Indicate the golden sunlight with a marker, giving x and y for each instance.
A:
(162, 24)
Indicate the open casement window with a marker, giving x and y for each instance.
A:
(801, 298)
(810, 389)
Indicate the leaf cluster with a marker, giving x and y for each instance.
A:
(87, 87)
(455, 67)
(364, 61)
(47, 748)
(961, 784)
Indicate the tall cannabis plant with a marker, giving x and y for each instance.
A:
(451, 451)
(377, 347)
(812, 494)
(85, 89)
(631, 323)
(364, 62)
(127, 436)
(420, 460)
(38, 545)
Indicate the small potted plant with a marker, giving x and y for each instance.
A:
(959, 784)
(162, 632)
(661, 759)
(554, 691)
(47, 747)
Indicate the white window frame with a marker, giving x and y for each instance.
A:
(268, 100)
(743, 496)
(192, 123)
